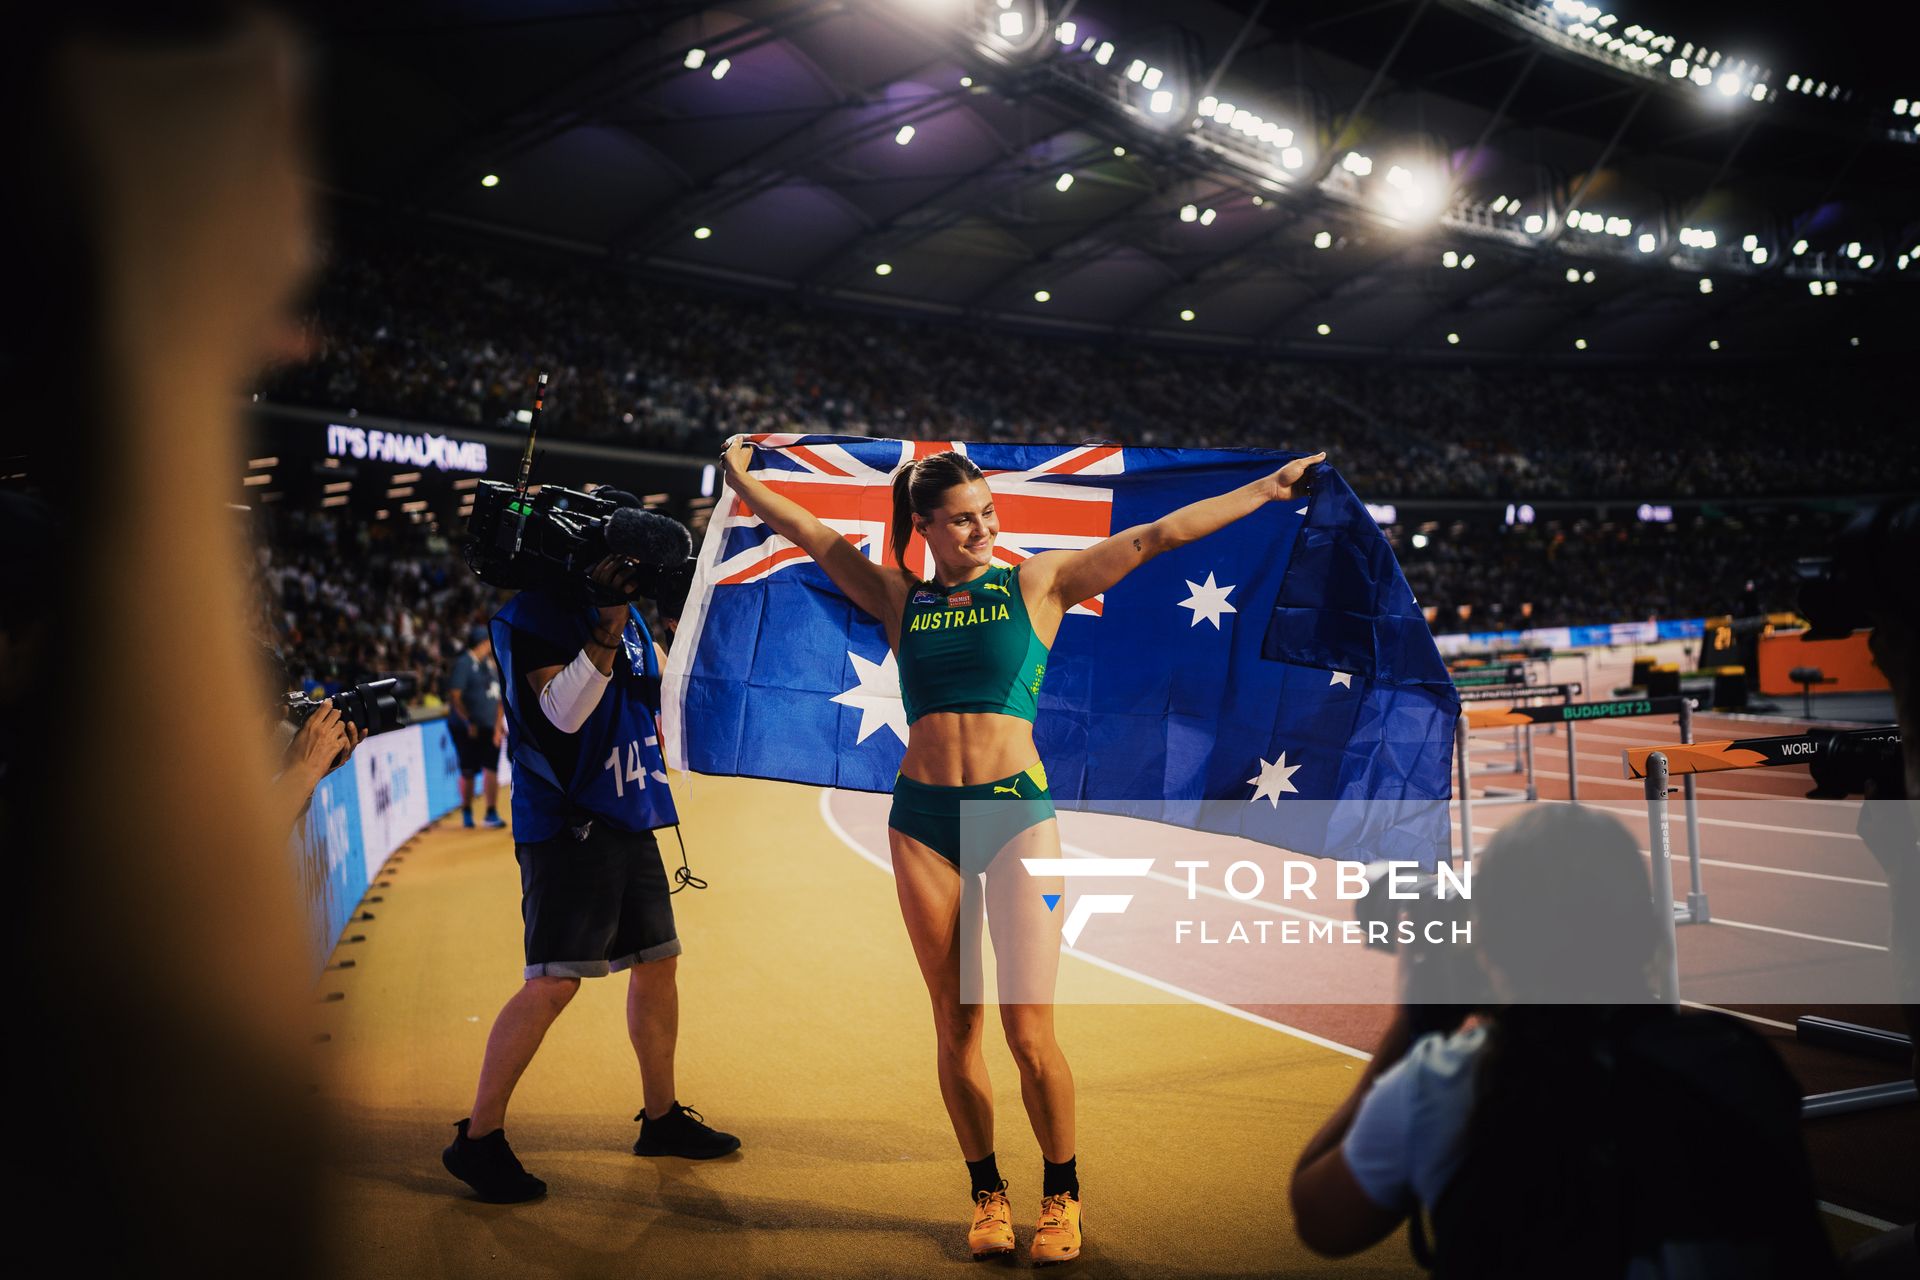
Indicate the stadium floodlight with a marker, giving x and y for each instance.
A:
(1573, 217)
(1813, 287)
(1323, 239)
(966, 82)
(1419, 542)
(1242, 121)
(1853, 342)
(905, 135)
(1647, 242)
(1453, 339)
(1759, 93)
(1750, 243)
(1586, 277)
(1041, 295)
(1678, 68)
(1323, 329)
(1573, 275)
(883, 268)
(1136, 71)
(1152, 79)
(1209, 105)
(491, 180)
(1356, 164)
(721, 68)
(1706, 284)
(1293, 157)
(1866, 262)
(1534, 224)
(1831, 287)
(1066, 33)
(1713, 344)
(1224, 113)
(693, 59)
(1012, 24)
(1104, 54)
(1063, 182)
(1899, 106)
(1207, 217)
(1579, 344)
(1760, 256)
(1793, 83)
(702, 233)
(1729, 83)
(1187, 316)
(1399, 177)
(1799, 247)
(1119, 151)
(1450, 259)
(1853, 248)
(1498, 206)
(1161, 102)
(1189, 212)
(1702, 77)
(1900, 263)
(1466, 263)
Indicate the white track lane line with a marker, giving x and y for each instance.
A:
(1680, 855)
(846, 838)
(833, 825)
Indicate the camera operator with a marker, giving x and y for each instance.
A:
(1602, 1138)
(582, 686)
(479, 724)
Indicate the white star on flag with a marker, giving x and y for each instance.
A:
(878, 697)
(1302, 511)
(1208, 602)
(1341, 677)
(1274, 779)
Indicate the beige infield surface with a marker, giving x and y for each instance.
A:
(805, 1030)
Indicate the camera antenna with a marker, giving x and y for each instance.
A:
(533, 430)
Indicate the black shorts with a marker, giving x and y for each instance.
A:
(476, 753)
(594, 906)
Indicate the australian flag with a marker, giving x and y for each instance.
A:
(1274, 680)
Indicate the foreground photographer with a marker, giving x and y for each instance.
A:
(1575, 1127)
(582, 688)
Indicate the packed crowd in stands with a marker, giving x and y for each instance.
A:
(453, 332)
(1579, 573)
(344, 601)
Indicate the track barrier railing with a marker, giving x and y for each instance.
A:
(1655, 764)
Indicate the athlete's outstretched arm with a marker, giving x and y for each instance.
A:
(1073, 576)
(864, 581)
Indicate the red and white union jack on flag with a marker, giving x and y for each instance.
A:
(847, 483)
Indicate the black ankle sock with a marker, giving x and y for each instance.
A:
(985, 1174)
(1060, 1179)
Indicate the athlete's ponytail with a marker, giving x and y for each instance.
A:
(918, 488)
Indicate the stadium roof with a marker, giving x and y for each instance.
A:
(1451, 178)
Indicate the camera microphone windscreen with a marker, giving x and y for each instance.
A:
(649, 537)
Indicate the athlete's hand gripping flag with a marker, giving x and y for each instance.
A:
(1274, 680)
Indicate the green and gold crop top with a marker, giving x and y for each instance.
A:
(970, 647)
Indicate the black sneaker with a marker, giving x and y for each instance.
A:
(682, 1132)
(489, 1166)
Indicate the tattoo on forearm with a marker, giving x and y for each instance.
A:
(1136, 544)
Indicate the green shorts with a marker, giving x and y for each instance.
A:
(968, 826)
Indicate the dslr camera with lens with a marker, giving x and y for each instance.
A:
(378, 706)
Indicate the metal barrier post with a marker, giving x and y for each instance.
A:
(1697, 911)
(1466, 793)
(1662, 851)
(1573, 768)
(1533, 788)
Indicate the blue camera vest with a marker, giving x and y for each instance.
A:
(621, 777)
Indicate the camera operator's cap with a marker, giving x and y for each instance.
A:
(478, 636)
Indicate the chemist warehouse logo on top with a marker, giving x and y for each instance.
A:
(1247, 881)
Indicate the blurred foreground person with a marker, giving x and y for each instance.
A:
(1576, 1128)
(161, 950)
